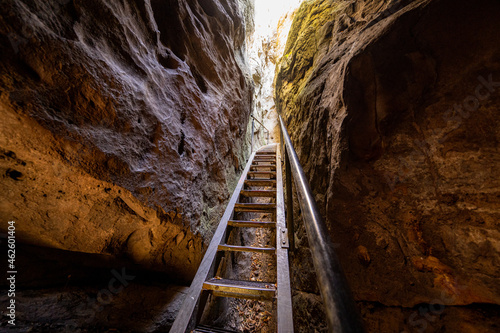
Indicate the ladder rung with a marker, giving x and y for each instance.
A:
(260, 182)
(257, 166)
(263, 162)
(241, 289)
(261, 173)
(238, 248)
(255, 193)
(208, 329)
(255, 207)
(256, 163)
(251, 224)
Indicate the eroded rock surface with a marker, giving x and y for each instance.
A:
(123, 124)
(393, 109)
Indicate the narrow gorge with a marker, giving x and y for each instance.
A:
(126, 124)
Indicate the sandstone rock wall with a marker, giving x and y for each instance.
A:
(123, 124)
(393, 109)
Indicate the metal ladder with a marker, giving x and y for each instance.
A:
(262, 170)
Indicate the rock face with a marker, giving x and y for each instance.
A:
(123, 124)
(392, 107)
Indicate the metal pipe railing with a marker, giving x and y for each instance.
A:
(261, 124)
(340, 308)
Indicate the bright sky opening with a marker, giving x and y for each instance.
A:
(268, 13)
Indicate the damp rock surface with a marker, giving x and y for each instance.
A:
(392, 108)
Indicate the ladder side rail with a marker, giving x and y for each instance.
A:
(284, 294)
(184, 319)
(340, 309)
(289, 203)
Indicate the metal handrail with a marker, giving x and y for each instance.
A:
(268, 132)
(340, 309)
(261, 124)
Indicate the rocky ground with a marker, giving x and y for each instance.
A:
(145, 305)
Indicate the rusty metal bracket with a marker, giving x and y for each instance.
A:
(283, 238)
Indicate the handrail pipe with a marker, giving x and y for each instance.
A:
(261, 124)
(340, 308)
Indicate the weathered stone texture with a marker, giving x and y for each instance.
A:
(393, 109)
(123, 124)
